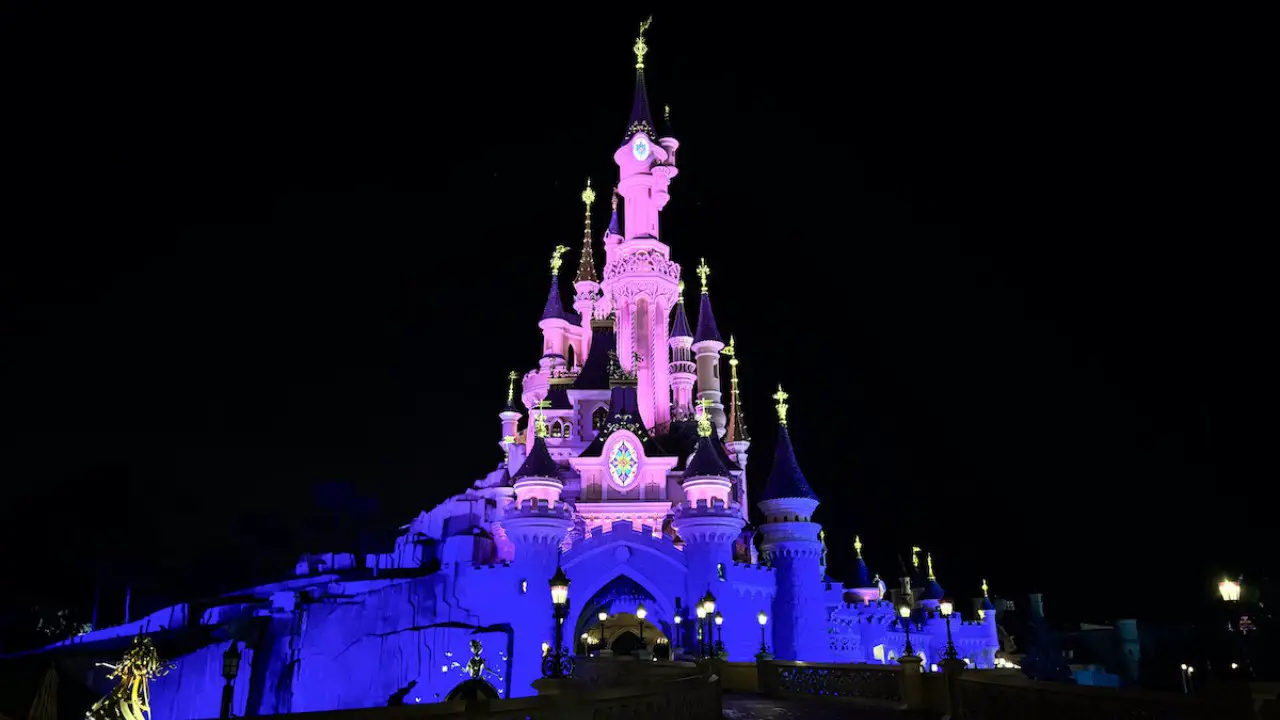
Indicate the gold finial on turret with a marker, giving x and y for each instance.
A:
(704, 418)
(703, 272)
(540, 419)
(680, 292)
(511, 387)
(737, 430)
(666, 113)
(640, 48)
(781, 396)
(929, 561)
(731, 352)
(557, 260)
(857, 545)
(915, 557)
(984, 587)
(588, 196)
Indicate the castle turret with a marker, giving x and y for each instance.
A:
(791, 545)
(539, 476)
(640, 278)
(510, 417)
(585, 283)
(709, 524)
(736, 438)
(683, 370)
(555, 326)
(706, 347)
(932, 593)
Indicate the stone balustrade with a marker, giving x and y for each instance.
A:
(876, 685)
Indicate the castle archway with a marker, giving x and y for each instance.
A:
(620, 600)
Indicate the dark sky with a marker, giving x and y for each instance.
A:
(264, 272)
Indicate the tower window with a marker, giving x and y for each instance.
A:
(598, 418)
(556, 429)
(568, 430)
(569, 355)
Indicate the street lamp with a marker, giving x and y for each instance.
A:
(719, 633)
(641, 613)
(558, 662)
(709, 608)
(1230, 590)
(677, 619)
(946, 608)
(702, 640)
(905, 613)
(230, 668)
(602, 616)
(764, 619)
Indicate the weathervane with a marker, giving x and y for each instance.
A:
(511, 387)
(929, 561)
(680, 292)
(640, 48)
(915, 556)
(540, 420)
(556, 260)
(857, 545)
(781, 396)
(704, 417)
(703, 272)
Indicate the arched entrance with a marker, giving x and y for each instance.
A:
(622, 630)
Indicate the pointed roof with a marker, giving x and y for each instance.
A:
(862, 575)
(786, 480)
(613, 220)
(595, 371)
(680, 326)
(586, 264)
(539, 463)
(706, 461)
(641, 118)
(707, 329)
(554, 309)
(737, 430)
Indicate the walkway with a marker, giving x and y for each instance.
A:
(759, 707)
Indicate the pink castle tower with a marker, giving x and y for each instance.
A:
(640, 278)
(682, 370)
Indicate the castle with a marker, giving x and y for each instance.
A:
(625, 457)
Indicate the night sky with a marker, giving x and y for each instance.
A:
(264, 272)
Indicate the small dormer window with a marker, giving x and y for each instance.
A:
(568, 430)
(599, 417)
(556, 429)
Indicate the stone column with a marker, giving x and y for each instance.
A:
(912, 682)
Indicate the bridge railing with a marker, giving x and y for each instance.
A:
(878, 685)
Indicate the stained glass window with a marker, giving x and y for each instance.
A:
(623, 463)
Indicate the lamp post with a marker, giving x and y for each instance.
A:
(1229, 590)
(602, 616)
(1187, 671)
(905, 612)
(230, 668)
(709, 606)
(946, 608)
(558, 662)
(641, 613)
(702, 640)
(763, 619)
(677, 644)
(719, 633)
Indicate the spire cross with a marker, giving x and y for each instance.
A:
(557, 260)
(680, 292)
(984, 587)
(857, 545)
(703, 272)
(588, 196)
(511, 386)
(781, 396)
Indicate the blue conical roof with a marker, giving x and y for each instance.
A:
(706, 461)
(786, 480)
(680, 326)
(707, 329)
(862, 575)
(539, 463)
(554, 308)
(932, 591)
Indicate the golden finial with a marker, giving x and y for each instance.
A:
(588, 196)
(915, 557)
(781, 396)
(929, 560)
(704, 417)
(703, 272)
(511, 386)
(984, 587)
(540, 420)
(732, 352)
(640, 48)
(857, 545)
(680, 292)
(556, 260)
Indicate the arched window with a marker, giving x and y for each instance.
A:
(599, 417)
(569, 356)
(568, 429)
(556, 430)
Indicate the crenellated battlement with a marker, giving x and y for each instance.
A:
(717, 507)
(537, 507)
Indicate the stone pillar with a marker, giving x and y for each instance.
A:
(951, 671)
(912, 682)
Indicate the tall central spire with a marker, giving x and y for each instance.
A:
(641, 118)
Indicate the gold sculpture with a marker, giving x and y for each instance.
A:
(131, 697)
(556, 260)
(704, 418)
(640, 48)
(540, 420)
(703, 272)
(857, 545)
(511, 387)
(781, 396)
(588, 196)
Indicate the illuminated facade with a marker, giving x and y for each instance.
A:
(624, 464)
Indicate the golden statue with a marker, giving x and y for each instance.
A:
(704, 418)
(640, 48)
(131, 697)
(556, 260)
(703, 271)
(781, 396)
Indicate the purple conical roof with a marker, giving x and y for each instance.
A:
(641, 118)
(554, 307)
(706, 461)
(539, 463)
(680, 326)
(613, 223)
(707, 329)
(786, 480)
